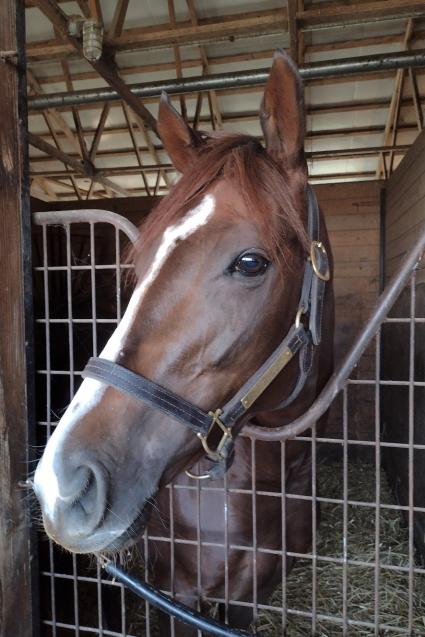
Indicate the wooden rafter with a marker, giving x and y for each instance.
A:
(163, 36)
(293, 29)
(327, 134)
(416, 99)
(85, 169)
(118, 19)
(99, 131)
(390, 132)
(339, 14)
(105, 66)
(54, 119)
(127, 116)
(324, 155)
(177, 57)
(214, 106)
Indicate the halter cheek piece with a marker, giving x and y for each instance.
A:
(302, 337)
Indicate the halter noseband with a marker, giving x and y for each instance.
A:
(302, 337)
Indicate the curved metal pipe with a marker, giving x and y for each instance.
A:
(333, 68)
(337, 380)
(171, 606)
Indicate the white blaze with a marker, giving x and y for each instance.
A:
(91, 391)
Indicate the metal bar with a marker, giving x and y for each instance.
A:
(332, 68)
(377, 572)
(344, 513)
(284, 542)
(411, 438)
(313, 452)
(61, 217)
(254, 531)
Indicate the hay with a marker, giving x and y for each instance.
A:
(393, 550)
(393, 586)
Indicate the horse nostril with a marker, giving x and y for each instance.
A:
(88, 497)
(72, 494)
(89, 505)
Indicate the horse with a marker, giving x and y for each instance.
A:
(220, 268)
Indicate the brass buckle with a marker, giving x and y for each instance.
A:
(215, 454)
(318, 245)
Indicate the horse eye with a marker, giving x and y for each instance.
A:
(251, 264)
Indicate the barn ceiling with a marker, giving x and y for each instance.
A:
(358, 126)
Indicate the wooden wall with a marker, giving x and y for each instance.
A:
(405, 205)
(352, 213)
(16, 558)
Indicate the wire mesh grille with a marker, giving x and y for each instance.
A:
(364, 573)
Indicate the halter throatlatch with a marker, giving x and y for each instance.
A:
(302, 337)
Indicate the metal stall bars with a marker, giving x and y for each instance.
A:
(78, 303)
(362, 575)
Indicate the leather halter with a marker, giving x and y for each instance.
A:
(302, 337)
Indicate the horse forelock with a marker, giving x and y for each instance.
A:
(269, 196)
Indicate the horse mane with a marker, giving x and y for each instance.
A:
(262, 183)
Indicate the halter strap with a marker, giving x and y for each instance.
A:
(302, 337)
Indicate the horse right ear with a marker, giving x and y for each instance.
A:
(282, 113)
(180, 141)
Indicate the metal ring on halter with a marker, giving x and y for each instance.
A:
(298, 316)
(194, 476)
(315, 263)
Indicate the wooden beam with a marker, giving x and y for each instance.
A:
(118, 19)
(293, 29)
(300, 36)
(164, 36)
(44, 184)
(86, 169)
(359, 13)
(416, 99)
(105, 66)
(53, 114)
(127, 116)
(58, 146)
(324, 155)
(16, 355)
(213, 103)
(177, 57)
(99, 131)
(321, 134)
(390, 131)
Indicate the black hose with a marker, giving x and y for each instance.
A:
(171, 606)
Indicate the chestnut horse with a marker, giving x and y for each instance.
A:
(219, 267)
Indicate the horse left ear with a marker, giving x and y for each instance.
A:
(180, 141)
(282, 113)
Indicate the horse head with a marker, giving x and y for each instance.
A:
(218, 269)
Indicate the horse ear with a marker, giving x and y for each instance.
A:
(180, 141)
(282, 113)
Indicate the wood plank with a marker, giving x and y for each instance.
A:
(85, 169)
(16, 386)
(354, 238)
(359, 13)
(409, 189)
(164, 36)
(351, 254)
(105, 66)
(408, 230)
(353, 222)
(416, 150)
(358, 190)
